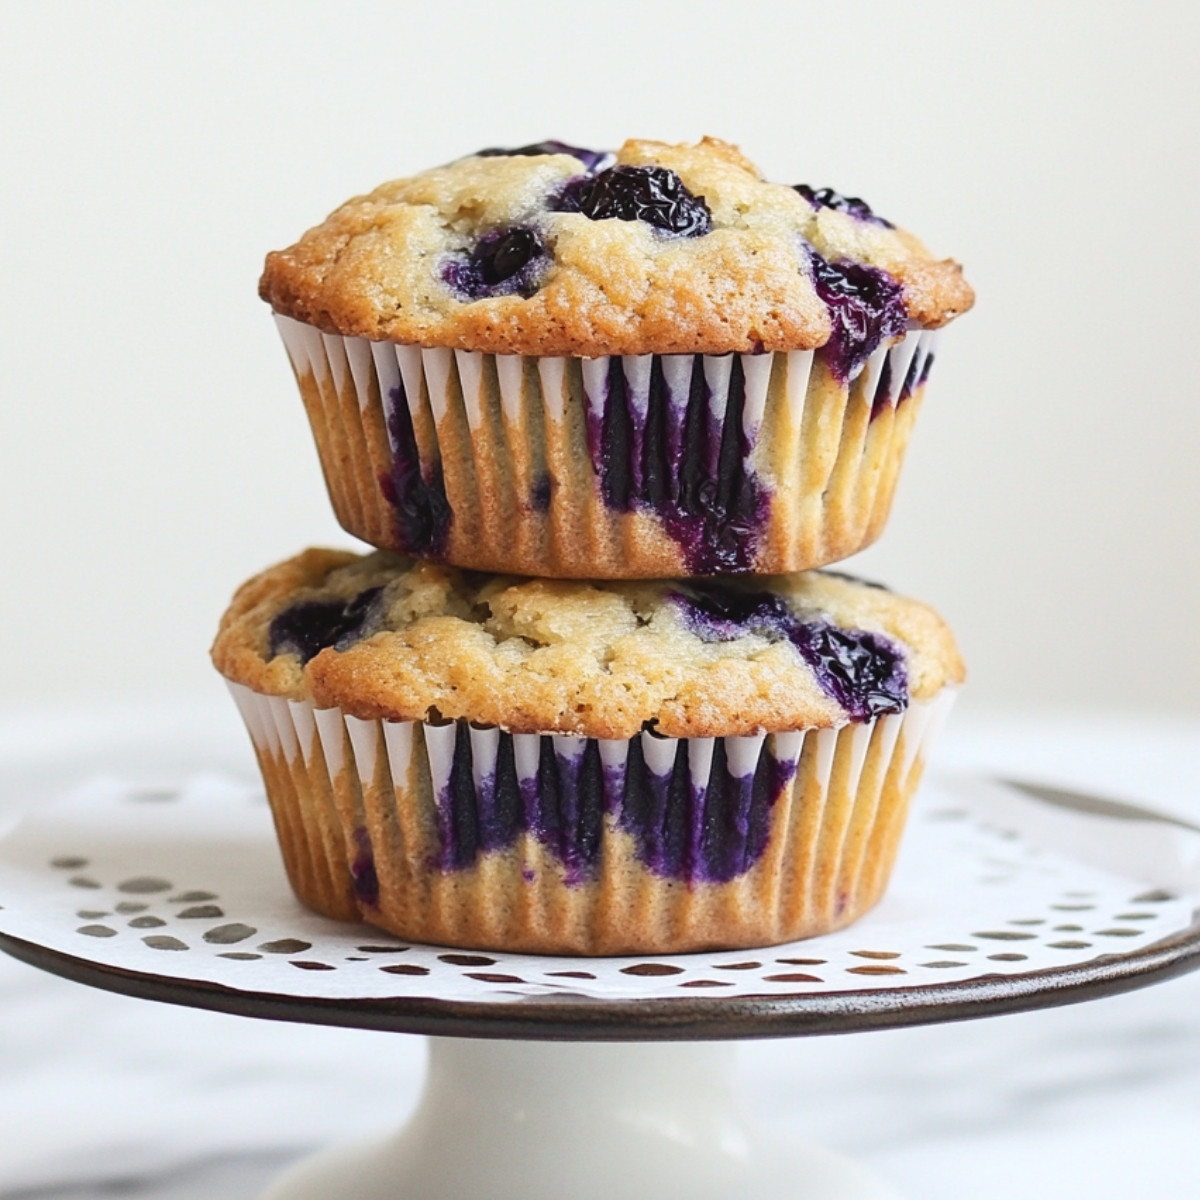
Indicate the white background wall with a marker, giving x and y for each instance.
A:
(153, 451)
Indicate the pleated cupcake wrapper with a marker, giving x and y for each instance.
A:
(509, 445)
(361, 808)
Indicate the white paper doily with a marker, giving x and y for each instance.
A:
(187, 883)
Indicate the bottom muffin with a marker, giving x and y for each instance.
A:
(562, 767)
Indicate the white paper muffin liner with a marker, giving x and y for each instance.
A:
(725, 464)
(363, 810)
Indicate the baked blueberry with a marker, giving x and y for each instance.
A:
(502, 263)
(866, 306)
(309, 626)
(864, 672)
(655, 195)
(852, 205)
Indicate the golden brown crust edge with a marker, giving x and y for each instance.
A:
(370, 270)
(240, 651)
(456, 669)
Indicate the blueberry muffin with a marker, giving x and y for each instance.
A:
(584, 767)
(653, 363)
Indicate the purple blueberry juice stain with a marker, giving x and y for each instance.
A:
(864, 672)
(722, 507)
(473, 820)
(612, 433)
(309, 626)
(540, 494)
(562, 805)
(457, 814)
(866, 307)
(417, 496)
(565, 807)
(654, 195)
(915, 380)
(362, 871)
(852, 205)
(590, 158)
(711, 833)
(679, 461)
(882, 387)
(504, 262)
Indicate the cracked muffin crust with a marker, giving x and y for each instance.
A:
(658, 249)
(382, 637)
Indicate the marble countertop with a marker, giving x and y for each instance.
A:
(106, 1095)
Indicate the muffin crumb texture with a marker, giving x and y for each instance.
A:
(384, 637)
(554, 250)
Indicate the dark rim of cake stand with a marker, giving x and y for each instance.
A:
(566, 1018)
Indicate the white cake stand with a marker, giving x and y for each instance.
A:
(556, 1078)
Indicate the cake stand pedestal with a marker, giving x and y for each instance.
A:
(554, 1078)
(548, 1121)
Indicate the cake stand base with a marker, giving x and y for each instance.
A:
(557, 1120)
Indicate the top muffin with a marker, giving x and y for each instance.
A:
(551, 250)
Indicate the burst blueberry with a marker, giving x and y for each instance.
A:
(308, 627)
(852, 205)
(864, 672)
(654, 195)
(866, 306)
(504, 262)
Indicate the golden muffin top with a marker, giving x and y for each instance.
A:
(381, 636)
(656, 249)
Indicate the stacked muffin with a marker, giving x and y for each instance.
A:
(602, 415)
